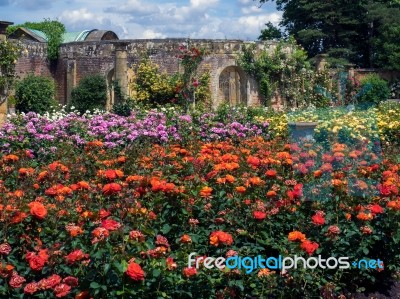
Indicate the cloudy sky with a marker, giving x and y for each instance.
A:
(224, 19)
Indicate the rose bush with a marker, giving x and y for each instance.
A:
(114, 210)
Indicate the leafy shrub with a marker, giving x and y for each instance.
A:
(90, 94)
(150, 85)
(373, 90)
(35, 93)
(123, 108)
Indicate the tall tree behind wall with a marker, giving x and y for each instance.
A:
(359, 31)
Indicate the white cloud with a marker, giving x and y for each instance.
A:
(79, 15)
(150, 34)
(135, 7)
(203, 3)
(248, 27)
(81, 19)
(244, 2)
(252, 10)
(236, 19)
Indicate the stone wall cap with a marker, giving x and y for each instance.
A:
(303, 124)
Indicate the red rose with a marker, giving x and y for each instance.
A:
(110, 224)
(71, 281)
(104, 213)
(53, 280)
(136, 235)
(189, 272)
(36, 263)
(111, 188)
(317, 219)
(5, 248)
(171, 265)
(37, 210)
(309, 246)
(16, 281)
(31, 288)
(258, 215)
(62, 290)
(162, 241)
(376, 209)
(135, 272)
(75, 256)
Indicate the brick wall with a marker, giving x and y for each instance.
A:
(33, 60)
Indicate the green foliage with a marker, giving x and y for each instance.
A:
(54, 31)
(286, 72)
(188, 87)
(9, 54)
(270, 32)
(123, 108)
(151, 85)
(362, 32)
(375, 88)
(90, 94)
(35, 93)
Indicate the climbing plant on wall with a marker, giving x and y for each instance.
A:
(9, 53)
(54, 31)
(183, 88)
(286, 72)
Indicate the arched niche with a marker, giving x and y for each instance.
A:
(232, 86)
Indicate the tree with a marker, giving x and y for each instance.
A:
(384, 24)
(349, 31)
(54, 31)
(270, 32)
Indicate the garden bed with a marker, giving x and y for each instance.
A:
(105, 206)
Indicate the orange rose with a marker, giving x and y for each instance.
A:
(135, 272)
(37, 210)
(296, 236)
(220, 237)
(240, 189)
(186, 239)
(206, 191)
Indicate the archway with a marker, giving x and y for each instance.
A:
(233, 86)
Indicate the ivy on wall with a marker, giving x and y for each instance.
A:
(9, 53)
(286, 72)
(54, 31)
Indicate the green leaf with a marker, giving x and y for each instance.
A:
(165, 229)
(156, 272)
(94, 285)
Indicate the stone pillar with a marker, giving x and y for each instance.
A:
(71, 77)
(350, 69)
(321, 62)
(3, 93)
(121, 67)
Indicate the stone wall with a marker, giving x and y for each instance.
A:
(117, 60)
(79, 59)
(388, 75)
(84, 58)
(33, 60)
